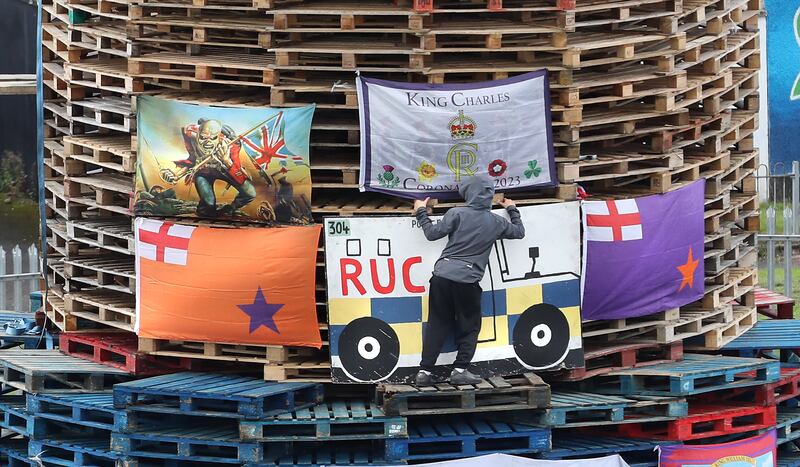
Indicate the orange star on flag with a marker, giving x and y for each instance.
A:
(687, 271)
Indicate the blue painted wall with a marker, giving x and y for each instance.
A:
(783, 62)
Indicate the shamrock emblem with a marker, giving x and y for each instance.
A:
(533, 170)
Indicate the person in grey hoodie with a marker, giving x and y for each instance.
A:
(454, 300)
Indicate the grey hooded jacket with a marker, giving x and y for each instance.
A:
(472, 231)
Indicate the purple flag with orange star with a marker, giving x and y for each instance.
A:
(643, 255)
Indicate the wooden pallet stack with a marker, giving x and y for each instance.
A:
(716, 107)
(89, 120)
(42, 372)
(646, 95)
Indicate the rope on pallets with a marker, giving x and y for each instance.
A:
(37, 460)
(340, 84)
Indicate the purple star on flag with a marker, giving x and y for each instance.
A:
(261, 313)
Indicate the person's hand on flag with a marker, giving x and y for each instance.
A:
(507, 202)
(420, 203)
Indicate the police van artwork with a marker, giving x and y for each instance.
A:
(378, 272)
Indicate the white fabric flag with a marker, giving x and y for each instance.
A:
(504, 460)
(421, 140)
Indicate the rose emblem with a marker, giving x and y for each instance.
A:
(497, 168)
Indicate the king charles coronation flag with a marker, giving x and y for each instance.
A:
(241, 286)
(420, 140)
(643, 255)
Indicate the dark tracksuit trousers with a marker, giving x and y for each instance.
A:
(452, 306)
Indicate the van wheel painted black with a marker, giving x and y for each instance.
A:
(368, 349)
(541, 336)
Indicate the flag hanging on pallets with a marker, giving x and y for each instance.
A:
(241, 286)
(643, 255)
(421, 140)
(249, 164)
(755, 451)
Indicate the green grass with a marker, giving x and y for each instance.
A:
(779, 281)
(778, 217)
(19, 219)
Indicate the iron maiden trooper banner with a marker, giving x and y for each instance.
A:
(421, 140)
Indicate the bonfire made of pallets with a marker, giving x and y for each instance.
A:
(646, 96)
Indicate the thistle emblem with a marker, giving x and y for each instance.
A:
(388, 179)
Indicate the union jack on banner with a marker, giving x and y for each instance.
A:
(267, 142)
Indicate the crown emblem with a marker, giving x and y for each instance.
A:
(462, 127)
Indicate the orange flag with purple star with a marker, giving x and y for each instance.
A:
(238, 286)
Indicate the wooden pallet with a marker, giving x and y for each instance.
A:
(112, 152)
(744, 318)
(696, 374)
(108, 112)
(340, 420)
(456, 437)
(577, 446)
(224, 351)
(215, 395)
(787, 424)
(603, 359)
(113, 273)
(494, 394)
(768, 335)
(703, 421)
(301, 369)
(14, 416)
(107, 75)
(688, 322)
(112, 234)
(15, 453)
(616, 328)
(573, 409)
(766, 298)
(104, 307)
(118, 350)
(78, 451)
(217, 67)
(783, 390)
(17, 84)
(112, 191)
(203, 444)
(91, 410)
(37, 371)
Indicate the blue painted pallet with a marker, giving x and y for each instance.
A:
(328, 455)
(768, 334)
(696, 374)
(95, 410)
(27, 341)
(15, 417)
(573, 408)
(77, 452)
(335, 420)
(788, 459)
(452, 438)
(636, 452)
(788, 424)
(14, 453)
(202, 444)
(216, 395)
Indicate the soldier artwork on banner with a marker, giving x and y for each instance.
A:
(246, 164)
